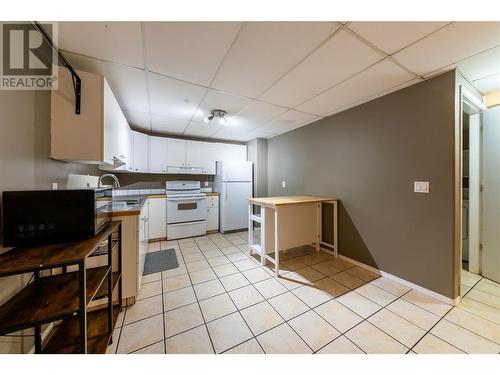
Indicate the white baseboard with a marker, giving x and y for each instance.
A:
(407, 283)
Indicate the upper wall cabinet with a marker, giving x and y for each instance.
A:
(158, 154)
(100, 134)
(176, 152)
(141, 152)
(202, 155)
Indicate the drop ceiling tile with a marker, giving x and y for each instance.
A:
(138, 120)
(233, 134)
(479, 66)
(449, 45)
(287, 121)
(200, 129)
(120, 42)
(256, 114)
(173, 98)
(167, 125)
(378, 78)
(264, 51)
(216, 99)
(339, 58)
(128, 84)
(191, 51)
(488, 85)
(392, 36)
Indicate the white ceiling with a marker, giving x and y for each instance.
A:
(271, 77)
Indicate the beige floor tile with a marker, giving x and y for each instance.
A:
(255, 275)
(359, 304)
(246, 296)
(176, 282)
(341, 345)
(414, 314)
(292, 264)
(208, 289)
(214, 253)
(144, 308)
(340, 263)
(480, 309)
(350, 281)
(219, 260)
(428, 303)
(310, 274)
(198, 266)
(225, 269)
(488, 288)
(288, 305)
(193, 257)
(338, 315)
(390, 286)
(181, 270)
(233, 253)
(178, 298)
(313, 329)
(311, 296)
(198, 277)
(270, 288)
(261, 317)
(121, 318)
(140, 334)
(331, 287)
(182, 319)
(486, 298)
(229, 331)
(474, 323)
(291, 280)
(397, 327)
(326, 268)
(149, 290)
(374, 341)
(151, 277)
(248, 347)
(194, 341)
(376, 294)
(362, 273)
(111, 349)
(157, 348)
(192, 251)
(431, 344)
(216, 307)
(463, 339)
(282, 340)
(234, 281)
(245, 264)
(309, 259)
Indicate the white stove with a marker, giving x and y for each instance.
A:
(186, 209)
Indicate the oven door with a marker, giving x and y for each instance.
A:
(186, 209)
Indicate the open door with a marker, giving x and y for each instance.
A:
(491, 195)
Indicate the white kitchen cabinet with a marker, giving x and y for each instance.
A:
(141, 152)
(212, 213)
(158, 154)
(201, 154)
(143, 241)
(157, 217)
(176, 152)
(99, 134)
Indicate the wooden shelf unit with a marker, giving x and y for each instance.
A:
(64, 298)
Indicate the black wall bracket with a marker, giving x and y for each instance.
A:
(77, 82)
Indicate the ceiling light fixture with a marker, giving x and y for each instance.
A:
(218, 114)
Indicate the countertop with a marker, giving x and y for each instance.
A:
(292, 199)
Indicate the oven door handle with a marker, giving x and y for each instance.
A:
(185, 199)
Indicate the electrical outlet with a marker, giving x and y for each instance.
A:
(283, 184)
(55, 186)
(421, 187)
(206, 183)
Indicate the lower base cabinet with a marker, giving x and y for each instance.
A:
(157, 217)
(212, 213)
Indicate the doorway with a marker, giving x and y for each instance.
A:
(480, 195)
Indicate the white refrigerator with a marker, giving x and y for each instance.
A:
(233, 180)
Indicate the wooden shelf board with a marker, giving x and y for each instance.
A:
(23, 260)
(103, 290)
(65, 338)
(48, 299)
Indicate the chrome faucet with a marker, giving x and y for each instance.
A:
(116, 183)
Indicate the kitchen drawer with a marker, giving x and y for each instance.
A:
(213, 201)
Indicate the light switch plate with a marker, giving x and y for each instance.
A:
(55, 186)
(421, 187)
(283, 184)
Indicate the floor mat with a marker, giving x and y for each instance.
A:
(158, 261)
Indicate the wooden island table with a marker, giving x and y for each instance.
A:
(287, 222)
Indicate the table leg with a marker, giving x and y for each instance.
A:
(263, 236)
(250, 228)
(276, 242)
(318, 227)
(335, 229)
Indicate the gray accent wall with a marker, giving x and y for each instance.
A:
(257, 154)
(369, 156)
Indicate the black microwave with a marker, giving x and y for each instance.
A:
(40, 217)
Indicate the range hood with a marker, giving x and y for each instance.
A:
(184, 170)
